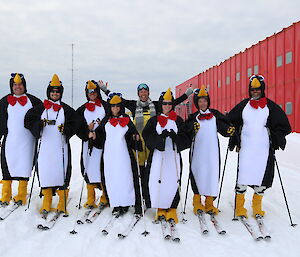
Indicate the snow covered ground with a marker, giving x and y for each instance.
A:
(19, 236)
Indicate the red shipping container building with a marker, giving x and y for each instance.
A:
(277, 58)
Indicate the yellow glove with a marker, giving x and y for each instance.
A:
(196, 126)
(231, 131)
(61, 128)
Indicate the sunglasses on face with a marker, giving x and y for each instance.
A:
(55, 91)
(143, 86)
(255, 89)
(259, 77)
(115, 105)
(90, 91)
(166, 103)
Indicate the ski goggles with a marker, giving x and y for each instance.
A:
(90, 91)
(259, 77)
(111, 95)
(143, 86)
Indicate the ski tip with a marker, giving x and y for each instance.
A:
(46, 228)
(73, 232)
(223, 232)
(88, 221)
(168, 237)
(121, 236)
(40, 226)
(176, 239)
(104, 232)
(267, 238)
(205, 232)
(1, 218)
(79, 222)
(259, 238)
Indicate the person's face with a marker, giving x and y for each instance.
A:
(203, 104)
(115, 109)
(18, 88)
(255, 93)
(166, 106)
(55, 94)
(92, 96)
(143, 95)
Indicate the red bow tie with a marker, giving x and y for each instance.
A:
(163, 120)
(262, 102)
(91, 106)
(123, 121)
(205, 116)
(48, 104)
(12, 100)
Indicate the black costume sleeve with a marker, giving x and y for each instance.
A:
(223, 123)
(152, 139)
(129, 137)
(32, 120)
(72, 121)
(34, 100)
(100, 132)
(180, 99)
(3, 116)
(82, 131)
(278, 125)
(235, 117)
(182, 138)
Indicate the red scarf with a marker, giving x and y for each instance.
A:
(92, 106)
(48, 104)
(205, 116)
(163, 120)
(262, 102)
(12, 100)
(123, 121)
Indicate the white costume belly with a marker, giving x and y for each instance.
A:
(117, 167)
(51, 159)
(205, 162)
(20, 144)
(254, 152)
(166, 169)
(92, 162)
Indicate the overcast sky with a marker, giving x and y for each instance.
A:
(127, 42)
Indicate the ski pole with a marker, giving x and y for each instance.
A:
(63, 162)
(222, 179)
(145, 233)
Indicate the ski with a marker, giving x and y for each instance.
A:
(85, 215)
(250, 228)
(202, 221)
(91, 218)
(261, 225)
(44, 217)
(164, 229)
(130, 227)
(216, 224)
(110, 224)
(8, 210)
(174, 232)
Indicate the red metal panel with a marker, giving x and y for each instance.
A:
(227, 86)
(250, 62)
(256, 55)
(233, 100)
(297, 76)
(263, 64)
(223, 86)
(271, 68)
(289, 72)
(244, 78)
(238, 84)
(279, 76)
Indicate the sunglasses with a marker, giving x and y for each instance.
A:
(255, 89)
(90, 91)
(166, 103)
(259, 77)
(115, 105)
(55, 91)
(143, 86)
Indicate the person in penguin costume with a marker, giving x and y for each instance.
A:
(18, 144)
(117, 136)
(165, 140)
(91, 113)
(262, 127)
(54, 122)
(202, 128)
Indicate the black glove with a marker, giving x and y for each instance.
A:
(165, 133)
(172, 135)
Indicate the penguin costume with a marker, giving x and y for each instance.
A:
(91, 113)
(18, 145)
(54, 122)
(117, 136)
(165, 140)
(262, 127)
(202, 128)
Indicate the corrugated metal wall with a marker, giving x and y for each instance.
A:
(277, 58)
